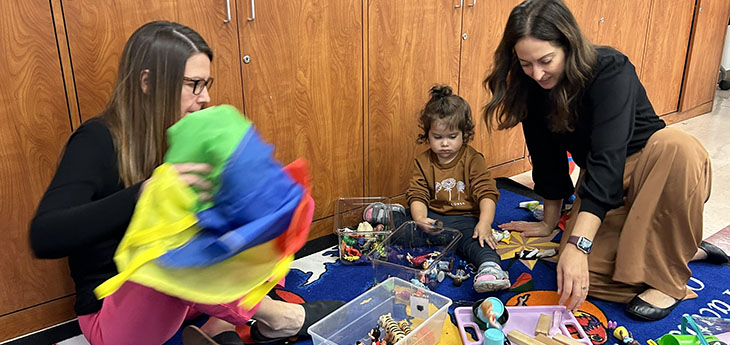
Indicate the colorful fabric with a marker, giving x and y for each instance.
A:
(236, 247)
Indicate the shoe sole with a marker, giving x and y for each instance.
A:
(192, 335)
(487, 287)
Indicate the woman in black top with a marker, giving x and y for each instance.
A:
(164, 74)
(642, 186)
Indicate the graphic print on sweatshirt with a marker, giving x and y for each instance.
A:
(447, 186)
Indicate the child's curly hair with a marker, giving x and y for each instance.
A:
(447, 107)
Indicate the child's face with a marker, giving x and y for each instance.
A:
(444, 142)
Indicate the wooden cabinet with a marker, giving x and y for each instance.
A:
(621, 24)
(483, 26)
(36, 124)
(98, 29)
(670, 24)
(303, 89)
(411, 47)
(705, 53)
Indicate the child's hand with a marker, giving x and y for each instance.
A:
(426, 220)
(483, 234)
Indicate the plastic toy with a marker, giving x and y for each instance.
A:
(393, 333)
(503, 236)
(459, 277)
(625, 336)
(422, 261)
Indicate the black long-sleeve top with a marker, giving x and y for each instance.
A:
(85, 212)
(615, 120)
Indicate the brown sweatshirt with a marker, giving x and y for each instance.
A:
(455, 188)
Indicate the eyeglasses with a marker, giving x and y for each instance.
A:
(199, 84)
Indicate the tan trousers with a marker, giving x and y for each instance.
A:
(649, 241)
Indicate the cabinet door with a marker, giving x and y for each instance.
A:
(98, 29)
(666, 52)
(703, 64)
(304, 90)
(412, 45)
(621, 24)
(34, 114)
(588, 15)
(483, 26)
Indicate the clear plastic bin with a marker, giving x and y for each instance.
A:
(404, 252)
(423, 309)
(354, 245)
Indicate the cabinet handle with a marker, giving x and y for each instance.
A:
(473, 3)
(228, 12)
(461, 3)
(253, 11)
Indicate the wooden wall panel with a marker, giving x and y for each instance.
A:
(304, 90)
(411, 47)
(36, 124)
(588, 14)
(38, 317)
(705, 53)
(665, 55)
(97, 36)
(484, 25)
(623, 25)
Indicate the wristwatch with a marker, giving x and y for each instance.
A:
(584, 245)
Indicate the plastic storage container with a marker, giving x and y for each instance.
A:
(415, 252)
(354, 244)
(424, 310)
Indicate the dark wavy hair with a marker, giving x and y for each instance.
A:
(445, 106)
(547, 20)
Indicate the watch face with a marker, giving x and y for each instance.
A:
(584, 244)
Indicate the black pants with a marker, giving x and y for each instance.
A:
(468, 248)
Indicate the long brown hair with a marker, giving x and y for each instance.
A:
(443, 105)
(547, 20)
(137, 118)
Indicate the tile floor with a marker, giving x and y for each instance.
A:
(713, 131)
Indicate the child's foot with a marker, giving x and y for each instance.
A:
(377, 212)
(491, 277)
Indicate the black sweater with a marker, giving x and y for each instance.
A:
(85, 212)
(615, 120)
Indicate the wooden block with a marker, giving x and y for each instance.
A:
(566, 340)
(543, 324)
(547, 340)
(519, 338)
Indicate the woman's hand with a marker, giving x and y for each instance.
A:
(528, 229)
(483, 234)
(573, 279)
(190, 173)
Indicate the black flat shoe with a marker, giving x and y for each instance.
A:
(642, 310)
(313, 312)
(715, 255)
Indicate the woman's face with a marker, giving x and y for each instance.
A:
(197, 68)
(541, 60)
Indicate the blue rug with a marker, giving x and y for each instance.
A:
(322, 276)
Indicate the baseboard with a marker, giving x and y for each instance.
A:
(50, 335)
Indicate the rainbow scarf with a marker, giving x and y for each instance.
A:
(237, 246)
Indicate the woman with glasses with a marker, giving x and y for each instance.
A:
(164, 75)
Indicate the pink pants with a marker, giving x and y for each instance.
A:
(136, 314)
